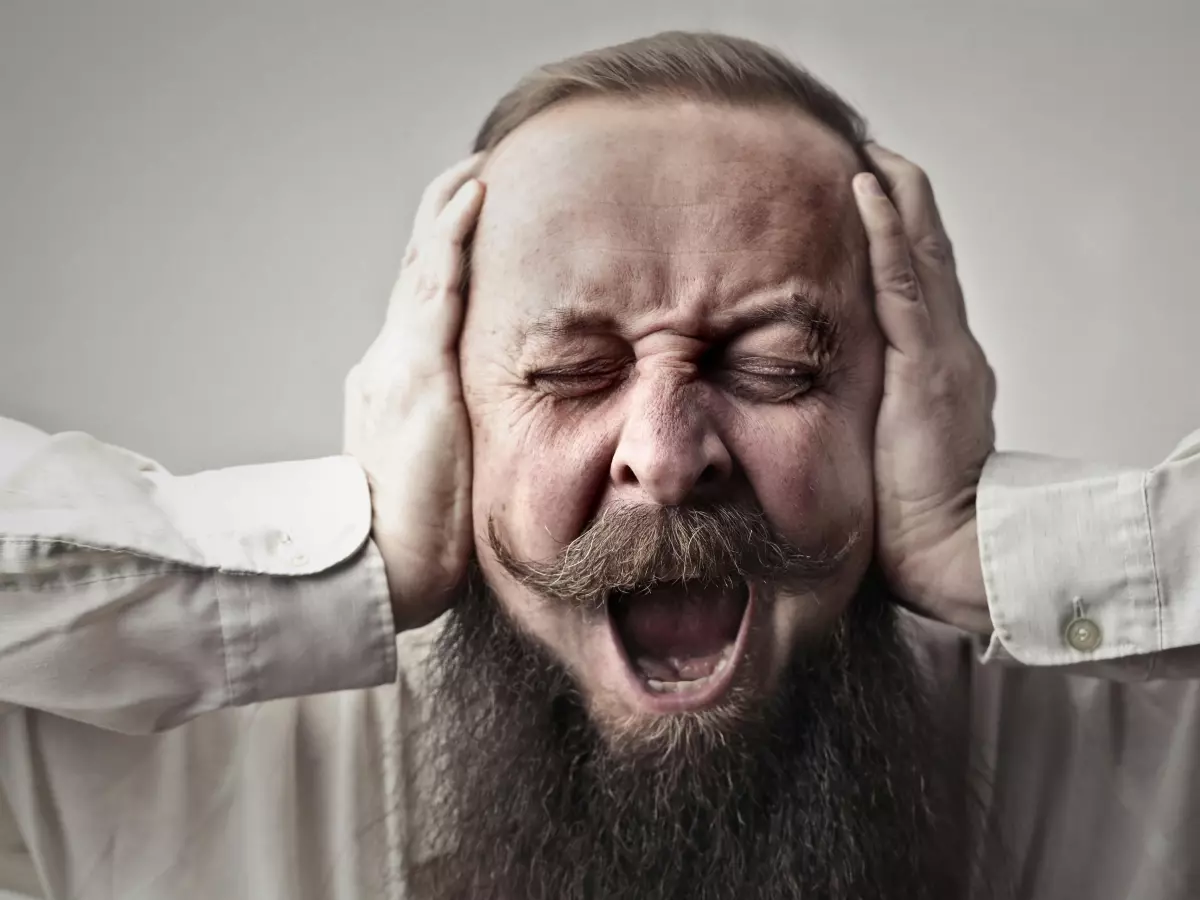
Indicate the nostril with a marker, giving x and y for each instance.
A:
(626, 475)
(710, 475)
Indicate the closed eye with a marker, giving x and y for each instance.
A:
(755, 380)
(767, 382)
(581, 380)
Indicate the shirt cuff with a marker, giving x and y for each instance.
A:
(289, 637)
(289, 518)
(1068, 561)
(302, 591)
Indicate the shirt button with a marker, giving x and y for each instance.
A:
(1083, 635)
(299, 559)
(285, 538)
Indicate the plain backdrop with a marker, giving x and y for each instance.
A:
(203, 204)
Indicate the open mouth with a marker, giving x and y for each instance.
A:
(682, 644)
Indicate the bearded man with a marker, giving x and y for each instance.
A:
(675, 422)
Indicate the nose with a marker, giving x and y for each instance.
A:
(668, 451)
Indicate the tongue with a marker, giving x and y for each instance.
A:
(675, 625)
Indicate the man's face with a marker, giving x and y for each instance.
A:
(667, 310)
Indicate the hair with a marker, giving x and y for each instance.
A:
(701, 66)
(842, 783)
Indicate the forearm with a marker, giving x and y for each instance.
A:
(134, 600)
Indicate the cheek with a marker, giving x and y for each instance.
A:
(811, 469)
(538, 476)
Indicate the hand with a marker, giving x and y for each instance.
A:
(406, 423)
(935, 426)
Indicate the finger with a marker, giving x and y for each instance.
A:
(438, 193)
(434, 282)
(910, 189)
(930, 247)
(451, 230)
(899, 302)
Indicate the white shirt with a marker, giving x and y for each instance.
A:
(202, 694)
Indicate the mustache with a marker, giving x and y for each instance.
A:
(631, 547)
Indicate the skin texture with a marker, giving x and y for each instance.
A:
(405, 420)
(407, 423)
(859, 404)
(626, 340)
(935, 430)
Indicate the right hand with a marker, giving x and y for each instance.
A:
(406, 422)
(935, 431)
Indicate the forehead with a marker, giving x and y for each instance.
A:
(642, 206)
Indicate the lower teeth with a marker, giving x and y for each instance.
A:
(677, 687)
(683, 687)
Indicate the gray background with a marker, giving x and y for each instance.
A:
(202, 205)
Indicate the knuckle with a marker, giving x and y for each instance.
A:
(422, 280)
(978, 361)
(935, 248)
(943, 384)
(367, 386)
(892, 233)
(921, 179)
(427, 286)
(958, 378)
(902, 281)
(892, 230)
(383, 376)
(914, 176)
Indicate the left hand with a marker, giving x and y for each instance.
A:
(935, 426)
(406, 421)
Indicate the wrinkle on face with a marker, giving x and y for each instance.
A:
(576, 211)
(648, 240)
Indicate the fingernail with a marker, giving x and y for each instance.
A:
(868, 185)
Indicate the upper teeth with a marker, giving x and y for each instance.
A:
(683, 687)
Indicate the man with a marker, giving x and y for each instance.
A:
(640, 510)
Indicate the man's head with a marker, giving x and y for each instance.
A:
(668, 313)
(667, 656)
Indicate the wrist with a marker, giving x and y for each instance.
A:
(420, 587)
(963, 596)
(944, 580)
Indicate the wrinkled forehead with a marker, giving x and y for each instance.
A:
(665, 194)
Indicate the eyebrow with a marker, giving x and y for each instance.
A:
(800, 312)
(568, 320)
(796, 310)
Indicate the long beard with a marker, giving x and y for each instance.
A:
(838, 788)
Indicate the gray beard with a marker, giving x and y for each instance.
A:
(841, 787)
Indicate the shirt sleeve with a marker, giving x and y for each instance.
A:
(133, 599)
(1093, 566)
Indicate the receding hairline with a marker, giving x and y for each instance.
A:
(703, 67)
(852, 155)
(525, 154)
